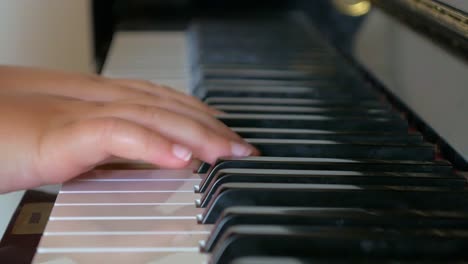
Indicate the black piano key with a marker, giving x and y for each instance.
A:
(326, 177)
(341, 243)
(277, 260)
(348, 137)
(331, 176)
(287, 92)
(270, 83)
(284, 163)
(248, 69)
(261, 59)
(254, 56)
(325, 260)
(246, 55)
(292, 102)
(317, 74)
(376, 124)
(329, 85)
(262, 43)
(333, 217)
(322, 195)
(261, 50)
(304, 110)
(335, 149)
(203, 168)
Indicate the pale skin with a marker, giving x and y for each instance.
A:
(55, 126)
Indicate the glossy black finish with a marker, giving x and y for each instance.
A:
(311, 195)
(383, 138)
(335, 149)
(268, 101)
(328, 177)
(323, 260)
(275, 260)
(308, 241)
(333, 217)
(326, 164)
(302, 110)
(287, 92)
(355, 124)
(267, 74)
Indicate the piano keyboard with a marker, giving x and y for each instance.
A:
(343, 178)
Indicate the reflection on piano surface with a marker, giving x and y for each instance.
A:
(344, 177)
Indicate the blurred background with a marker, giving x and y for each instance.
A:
(47, 33)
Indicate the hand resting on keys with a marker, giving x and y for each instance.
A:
(55, 126)
(94, 88)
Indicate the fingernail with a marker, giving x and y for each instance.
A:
(181, 152)
(240, 150)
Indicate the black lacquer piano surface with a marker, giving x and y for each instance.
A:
(359, 109)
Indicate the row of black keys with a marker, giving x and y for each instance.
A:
(287, 203)
(337, 132)
(275, 212)
(341, 179)
(254, 210)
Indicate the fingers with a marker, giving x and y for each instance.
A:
(177, 102)
(110, 91)
(206, 143)
(82, 145)
(191, 112)
(164, 91)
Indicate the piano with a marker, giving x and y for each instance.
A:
(358, 107)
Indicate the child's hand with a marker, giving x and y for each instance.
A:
(49, 139)
(22, 80)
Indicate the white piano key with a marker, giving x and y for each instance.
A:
(127, 233)
(114, 249)
(126, 210)
(118, 218)
(179, 225)
(140, 174)
(122, 257)
(127, 241)
(121, 198)
(127, 186)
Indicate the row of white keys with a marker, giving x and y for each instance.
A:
(125, 217)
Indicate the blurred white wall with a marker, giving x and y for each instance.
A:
(460, 4)
(429, 80)
(44, 33)
(47, 33)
